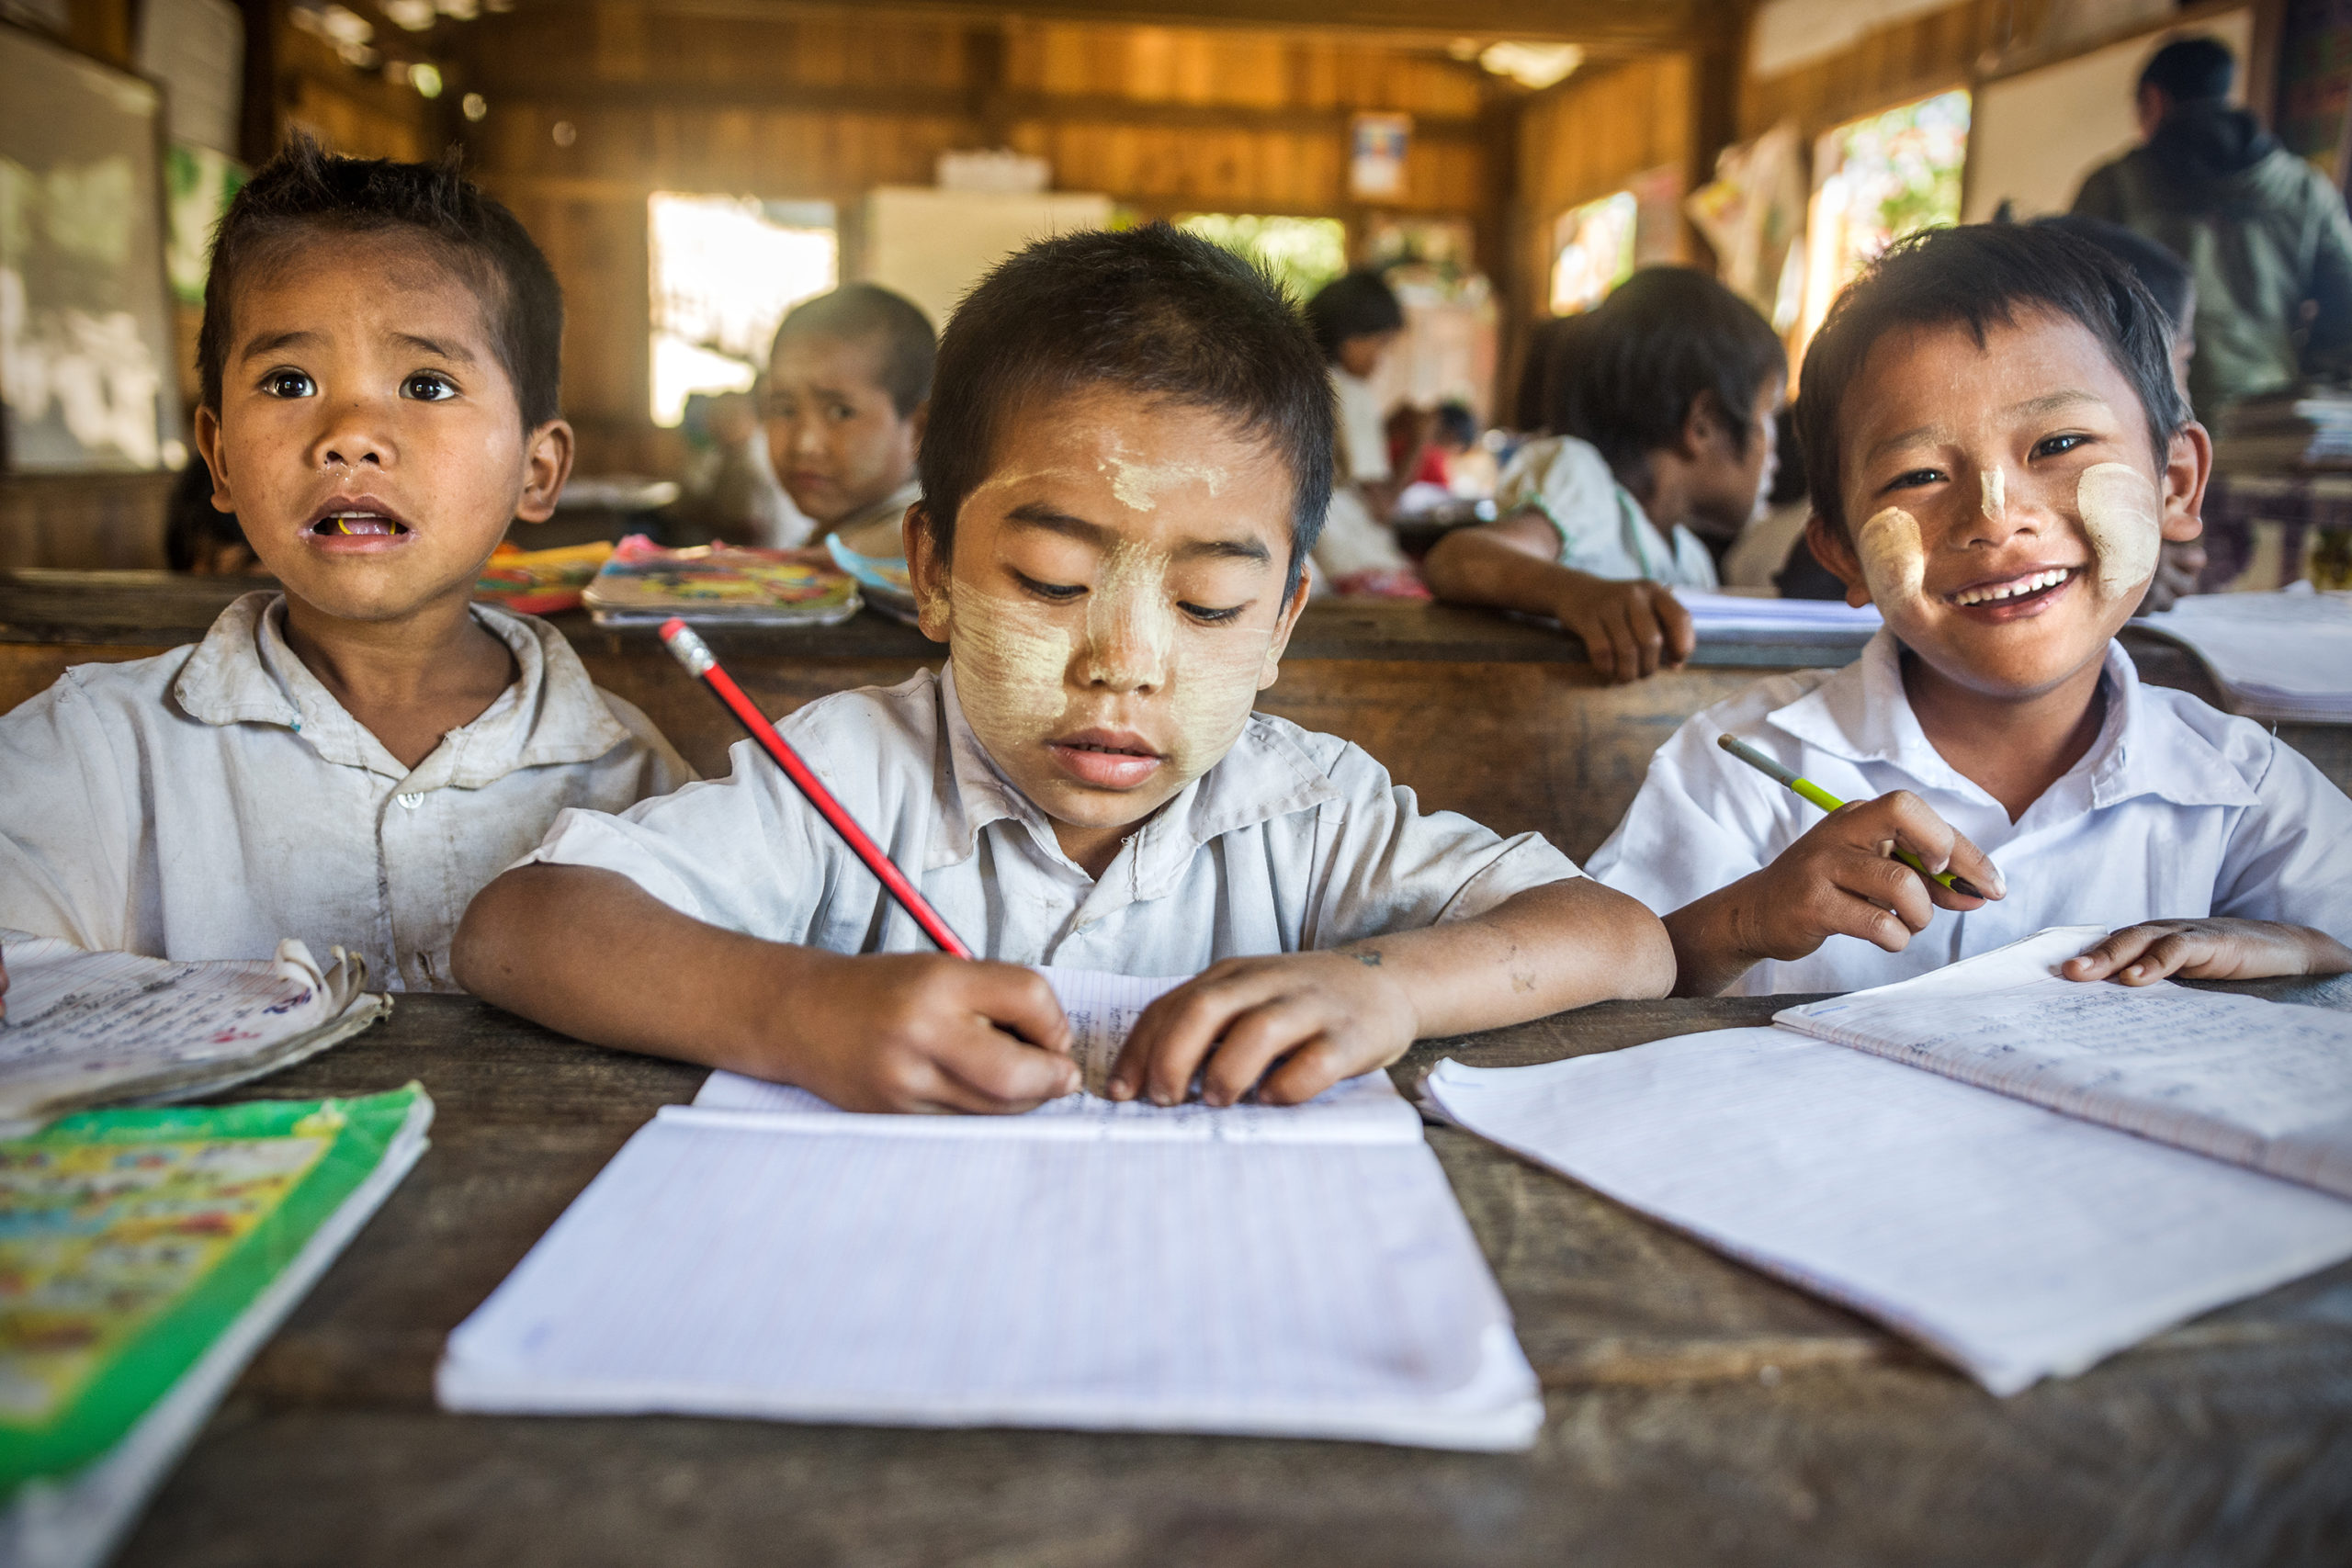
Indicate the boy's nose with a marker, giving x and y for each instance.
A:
(354, 436)
(1126, 647)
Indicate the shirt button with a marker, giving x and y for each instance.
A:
(412, 801)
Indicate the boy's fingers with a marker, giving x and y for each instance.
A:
(1304, 1072)
(1251, 1044)
(1625, 658)
(1649, 637)
(1004, 1074)
(1018, 1001)
(2103, 958)
(1890, 887)
(1682, 635)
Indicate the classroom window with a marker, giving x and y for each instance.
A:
(1304, 253)
(1594, 252)
(1876, 181)
(725, 269)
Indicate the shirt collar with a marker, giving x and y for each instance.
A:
(243, 673)
(1264, 775)
(1863, 714)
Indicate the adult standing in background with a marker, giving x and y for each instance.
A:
(2265, 233)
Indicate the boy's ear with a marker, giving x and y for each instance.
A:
(1285, 624)
(2188, 464)
(927, 569)
(1704, 426)
(208, 442)
(1831, 548)
(546, 465)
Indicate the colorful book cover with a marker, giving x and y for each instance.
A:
(540, 582)
(723, 583)
(134, 1243)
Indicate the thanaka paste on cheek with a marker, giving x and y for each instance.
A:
(2121, 514)
(1894, 563)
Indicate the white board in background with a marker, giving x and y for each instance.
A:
(2035, 135)
(933, 245)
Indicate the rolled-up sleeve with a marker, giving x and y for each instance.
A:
(66, 823)
(1391, 867)
(2289, 858)
(736, 852)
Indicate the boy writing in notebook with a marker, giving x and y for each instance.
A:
(1999, 448)
(1128, 454)
(347, 762)
(847, 389)
(1660, 452)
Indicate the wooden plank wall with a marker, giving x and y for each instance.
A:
(825, 105)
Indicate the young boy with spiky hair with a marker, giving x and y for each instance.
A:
(1129, 451)
(348, 760)
(1998, 447)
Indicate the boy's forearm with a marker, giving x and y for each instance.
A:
(1473, 568)
(590, 952)
(1538, 953)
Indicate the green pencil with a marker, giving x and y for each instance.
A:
(1829, 802)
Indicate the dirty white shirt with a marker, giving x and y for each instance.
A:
(207, 802)
(2177, 811)
(1294, 841)
(1603, 530)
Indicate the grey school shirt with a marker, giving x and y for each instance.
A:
(1294, 841)
(210, 801)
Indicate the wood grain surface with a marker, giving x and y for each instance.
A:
(1698, 1411)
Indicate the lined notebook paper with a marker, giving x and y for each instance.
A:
(2014, 1241)
(1280, 1271)
(2258, 1083)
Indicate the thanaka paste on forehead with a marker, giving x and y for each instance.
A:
(1894, 561)
(2122, 516)
(1137, 485)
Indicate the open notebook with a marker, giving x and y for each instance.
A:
(2284, 656)
(85, 1029)
(2016, 1240)
(1280, 1271)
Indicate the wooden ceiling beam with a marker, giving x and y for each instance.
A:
(1610, 27)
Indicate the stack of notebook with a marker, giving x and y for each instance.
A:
(2308, 427)
(2283, 657)
(719, 585)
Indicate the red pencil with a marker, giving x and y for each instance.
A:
(695, 654)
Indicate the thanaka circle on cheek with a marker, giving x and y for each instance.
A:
(1894, 561)
(2122, 516)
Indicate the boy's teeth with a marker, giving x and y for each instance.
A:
(2033, 584)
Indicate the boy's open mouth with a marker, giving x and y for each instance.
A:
(1104, 758)
(2000, 600)
(348, 524)
(359, 525)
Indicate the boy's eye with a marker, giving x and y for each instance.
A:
(429, 387)
(288, 384)
(1916, 479)
(839, 412)
(1058, 592)
(1209, 617)
(2057, 446)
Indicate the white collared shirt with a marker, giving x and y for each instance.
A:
(1293, 842)
(1603, 530)
(2177, 811)
(207, 802)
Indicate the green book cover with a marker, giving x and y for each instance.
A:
(131, 1240)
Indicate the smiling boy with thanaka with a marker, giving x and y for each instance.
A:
(347, 762)
(1129, 453)
(1999, 449)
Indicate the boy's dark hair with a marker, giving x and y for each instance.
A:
(860, 310)
(2191, 70)
(1980, 277)
(1358, 305)
(1454, 421)
(1153, 311)
(1645, 355)
(305, 192)
(2165, 276)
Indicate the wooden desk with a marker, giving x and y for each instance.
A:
(1697, 1410)
(1497, 718)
